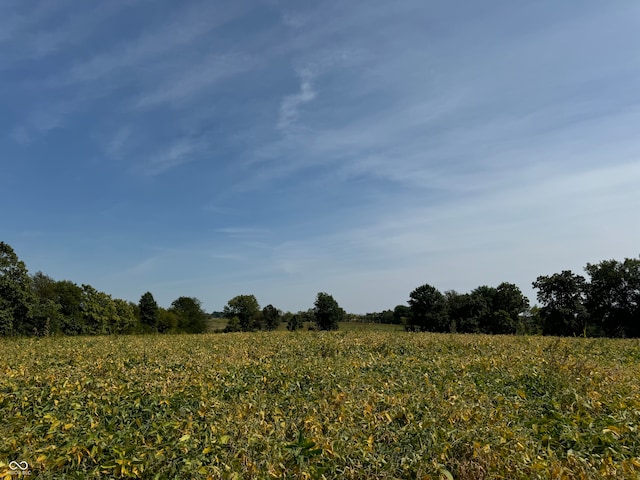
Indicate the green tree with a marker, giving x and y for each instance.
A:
(46, 311)
(99, 312)
(484, 299)
(271, 317)
(294, 321)
(327, 312)
(148, 311)
(43, 286)
(191, 317)
(126, 319)
(428, 310)
(386, 316)
(246, 308)
(69, 298)
(401, 314)
(464, 311)
(167, 321)
(562, 296)
(613, 296)
(508, 304)
(233, 325)
(499, 308)
(16, 297)
(530, 322)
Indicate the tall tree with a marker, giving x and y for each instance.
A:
(294, 321)
(613, 296)
(428, 309)
(167, 321)
(191, 317)
(16, 297)
(99, 312)
(148, 309)
(271, 317)
(562, 296)
(69, 298)
(46, 313)
(126, 319)
(327, 312)
(246, 308)
(484, 299)
(464, 311)
(508, 304)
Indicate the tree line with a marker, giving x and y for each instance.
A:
(244, 315)
(41, 306)
(607, 303)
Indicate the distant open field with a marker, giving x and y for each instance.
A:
(219, 324)
(346, 404)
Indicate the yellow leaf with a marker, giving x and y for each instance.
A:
(184, 438)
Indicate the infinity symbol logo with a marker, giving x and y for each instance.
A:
(18, 466)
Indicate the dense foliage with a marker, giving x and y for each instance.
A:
(245, 309)
(353, 405)
(607, 303)
(39, 305)
(148, 312)
(484, 310)
(16, 298)
(327, 312)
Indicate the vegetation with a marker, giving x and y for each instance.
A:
(606, 304)
(271, 317)
(246, 309)
(354, 405)
(148, 312)
(327, 312)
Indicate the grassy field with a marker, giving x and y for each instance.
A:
(346, 404)
(215, 324)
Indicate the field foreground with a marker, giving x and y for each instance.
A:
(375, 405)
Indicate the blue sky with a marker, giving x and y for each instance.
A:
(282, 148)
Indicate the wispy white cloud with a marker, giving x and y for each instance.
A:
(291, 104)
(235, 231)
(142, 268)
(196, 78)
(179, 152)
(201, 19)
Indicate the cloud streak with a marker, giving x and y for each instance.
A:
(291, 104)
(196, 79)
